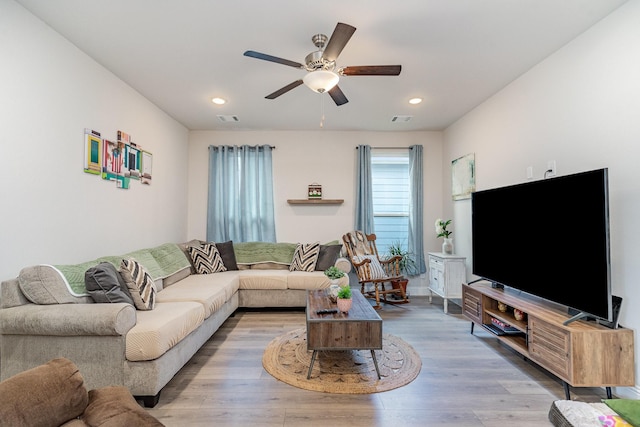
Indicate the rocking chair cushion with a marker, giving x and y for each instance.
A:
(375, 268)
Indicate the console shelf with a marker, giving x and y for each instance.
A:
(581, 354)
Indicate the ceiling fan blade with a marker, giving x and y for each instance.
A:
(341, 35)
(284, 90)
(275, 59)
(372, 70)
(337, 96)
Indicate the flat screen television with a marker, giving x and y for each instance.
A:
(548, 238)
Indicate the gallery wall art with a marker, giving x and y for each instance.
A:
(120, 161)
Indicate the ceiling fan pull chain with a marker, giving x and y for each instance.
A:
(322, 110)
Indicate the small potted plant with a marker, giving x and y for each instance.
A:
(344, 299)
(334, 274)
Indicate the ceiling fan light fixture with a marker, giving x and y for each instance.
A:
(321, 80)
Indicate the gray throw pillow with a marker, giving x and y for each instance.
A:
(327, 256)
(228, 255)
(105, 284)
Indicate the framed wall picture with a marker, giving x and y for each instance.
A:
(146, 167)
(92, 151)
(463, 177)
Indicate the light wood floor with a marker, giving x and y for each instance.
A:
(466, 380)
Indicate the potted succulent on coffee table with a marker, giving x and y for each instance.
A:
(334, 274)
(344, 299)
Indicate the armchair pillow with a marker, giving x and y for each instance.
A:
(47, 395)
(375, 268)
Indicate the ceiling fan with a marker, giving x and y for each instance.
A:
(323, 73)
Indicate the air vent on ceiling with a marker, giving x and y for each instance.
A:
(228, 118)
(401, 119)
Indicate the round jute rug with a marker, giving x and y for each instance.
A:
(287, 359)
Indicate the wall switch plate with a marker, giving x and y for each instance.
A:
(551, 169)
(529, 172)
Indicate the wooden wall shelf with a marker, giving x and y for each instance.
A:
(315, 201)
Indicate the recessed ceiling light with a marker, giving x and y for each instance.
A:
(415, 101)
(219, 101)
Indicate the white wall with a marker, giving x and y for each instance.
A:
(581, 108)
(325, 157)
(53, 212)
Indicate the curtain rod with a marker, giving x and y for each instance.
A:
(391, 148)
(273, 147)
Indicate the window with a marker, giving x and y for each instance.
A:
(391, 197)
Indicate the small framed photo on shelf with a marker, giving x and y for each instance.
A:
(315, 191)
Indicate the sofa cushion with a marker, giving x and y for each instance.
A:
(308, 280)
(305, 257)
(47, 395)
(210, 290)
(105, 284)
(264, 279)
(115, 406)
(44, 284)
(268, 266)
(140, 285)
(206, 259)
(156, 331)
(327, 256)
(228, 255)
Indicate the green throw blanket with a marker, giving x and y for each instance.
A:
(160, 262)
(258, 252)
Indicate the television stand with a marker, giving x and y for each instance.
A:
(580, 354)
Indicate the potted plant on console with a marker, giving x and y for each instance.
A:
(344, 299)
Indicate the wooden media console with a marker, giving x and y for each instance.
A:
(581, 354)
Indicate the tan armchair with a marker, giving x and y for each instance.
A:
(373, 272)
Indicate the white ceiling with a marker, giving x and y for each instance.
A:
(454, 54)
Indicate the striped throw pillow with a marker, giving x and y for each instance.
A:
(305, 257)
(374, 270)
(206, 259)
(141, 286)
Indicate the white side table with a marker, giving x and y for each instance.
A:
(446, 275)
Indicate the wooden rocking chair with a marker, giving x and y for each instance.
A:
(372, 271)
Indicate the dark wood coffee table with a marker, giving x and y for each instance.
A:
(359, 329)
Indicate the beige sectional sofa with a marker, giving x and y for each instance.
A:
(44, 314)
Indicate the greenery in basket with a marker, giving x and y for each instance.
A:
(333, 273)
(344, 292)
(407, 263)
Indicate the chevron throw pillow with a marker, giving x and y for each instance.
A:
(305, 257)
(141, 286)
(206, 259)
